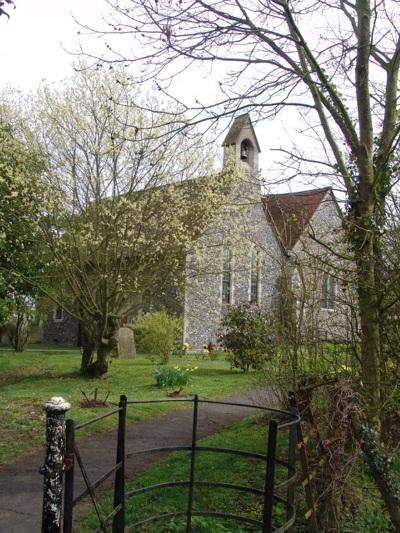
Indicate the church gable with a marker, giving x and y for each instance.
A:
(289, 214)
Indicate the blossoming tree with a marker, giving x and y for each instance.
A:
(121, 204)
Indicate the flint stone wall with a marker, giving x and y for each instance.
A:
(203, 291)
(64, 332)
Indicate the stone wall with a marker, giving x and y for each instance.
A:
(64, 331)
(248, 230)
(315, 259)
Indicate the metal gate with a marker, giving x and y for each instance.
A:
(115, 521)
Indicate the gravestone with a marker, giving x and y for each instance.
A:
(126, 343)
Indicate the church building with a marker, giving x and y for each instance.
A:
(255, 240)
(246, 252)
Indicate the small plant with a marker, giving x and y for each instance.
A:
(246, 334)
(95, 401)
(169, 377)
(185, 348)
(205, 351)
(158, 334)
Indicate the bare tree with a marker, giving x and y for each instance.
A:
(336, 63)
(5, 4)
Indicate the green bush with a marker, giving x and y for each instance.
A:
(246, 333)
(159, 334)
(167, 377)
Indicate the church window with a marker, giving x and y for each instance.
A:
(255, 277)
(245, 148)
(328, 291)
(227, 277)
(58, 314)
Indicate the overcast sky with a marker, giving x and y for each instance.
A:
(34, 45)
(34, 39)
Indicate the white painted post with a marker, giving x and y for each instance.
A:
(53, 467)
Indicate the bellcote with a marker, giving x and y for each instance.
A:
(241, 141)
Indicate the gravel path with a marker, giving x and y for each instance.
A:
(21, 483)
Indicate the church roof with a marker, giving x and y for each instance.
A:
(240, 122)
(290, 213)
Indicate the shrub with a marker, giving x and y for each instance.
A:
(173, 377)
(246, 334)
(212, 355)
(212, 351)
(24, 320)
(158, 334)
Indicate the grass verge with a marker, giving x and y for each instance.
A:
(28, 379)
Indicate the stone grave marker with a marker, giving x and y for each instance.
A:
(126, 343)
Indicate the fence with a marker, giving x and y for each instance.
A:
(63, 456)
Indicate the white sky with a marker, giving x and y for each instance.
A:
(34, 44)
(32, 41)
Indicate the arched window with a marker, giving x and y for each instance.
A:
(255, 277)
(245, 150)
(227, 277)
(58, 314)
(328, 295)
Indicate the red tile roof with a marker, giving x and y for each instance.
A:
(290, 213)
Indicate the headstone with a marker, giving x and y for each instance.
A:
(126, 343)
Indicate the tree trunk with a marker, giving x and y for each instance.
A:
(364, 236)
(20, 334)
(105, 344)
(102, 363)
(380, 468)
(370, 342)
(87, 358)
(88, 349)
(18, 340)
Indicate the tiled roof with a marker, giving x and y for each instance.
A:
(290, 213)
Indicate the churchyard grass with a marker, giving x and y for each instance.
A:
(28, 379)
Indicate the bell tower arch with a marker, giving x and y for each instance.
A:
(241, 143)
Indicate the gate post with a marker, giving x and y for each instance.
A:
(119, 485)
(291, 490)
(192, 464)
(69, 462)
(270, 476)
(53, 467)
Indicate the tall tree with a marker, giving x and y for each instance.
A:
(121, 206)
(336, 63)
(21, 210)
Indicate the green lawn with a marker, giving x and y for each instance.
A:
(28, 379)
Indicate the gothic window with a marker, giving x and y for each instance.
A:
(255, 277)
(328, 291)
(227, 277)
(58, 314)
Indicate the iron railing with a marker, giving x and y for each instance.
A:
(271, 493)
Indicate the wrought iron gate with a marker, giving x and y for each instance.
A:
(115, 521)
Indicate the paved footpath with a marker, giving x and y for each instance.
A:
(21, 483)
